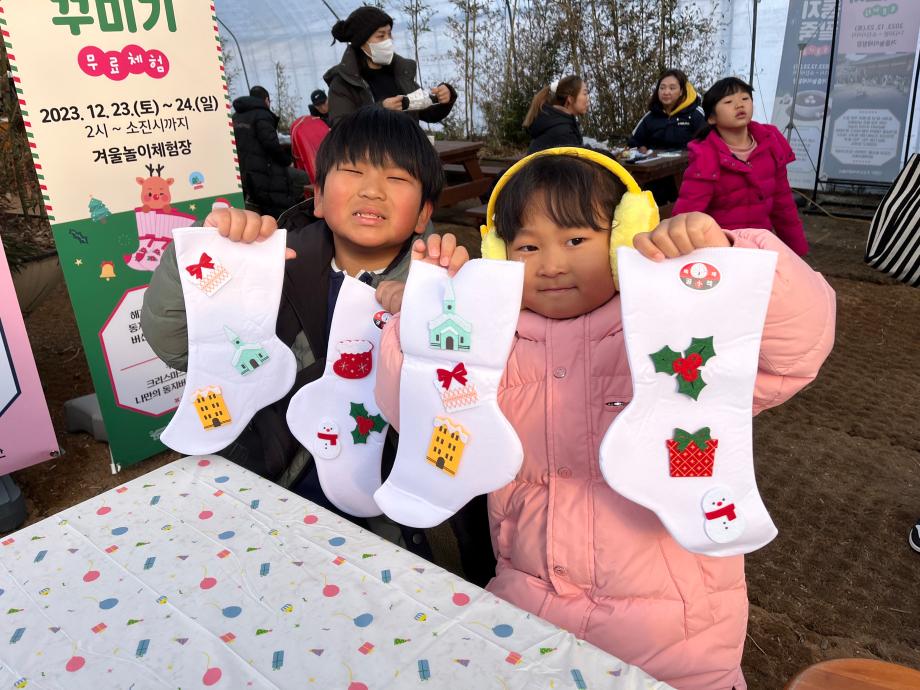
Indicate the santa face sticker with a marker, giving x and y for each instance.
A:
(700, 276)
(327, 445)
(381, 318)
(355, 360)
(723, 523)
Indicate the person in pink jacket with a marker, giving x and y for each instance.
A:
(569, 548)
(737, 169)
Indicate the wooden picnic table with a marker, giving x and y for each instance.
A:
(476, 182)
(855, 674)
(643, 173)
(657, 168)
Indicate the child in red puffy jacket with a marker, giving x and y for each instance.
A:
(737, 171)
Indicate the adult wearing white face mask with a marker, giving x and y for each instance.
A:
(371, 72)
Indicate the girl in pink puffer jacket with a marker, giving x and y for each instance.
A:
(737, 170)
(569, 548)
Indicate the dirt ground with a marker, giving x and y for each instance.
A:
(838, 467)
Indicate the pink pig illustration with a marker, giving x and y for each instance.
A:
(155, 194)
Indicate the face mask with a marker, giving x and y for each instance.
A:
(382, 53)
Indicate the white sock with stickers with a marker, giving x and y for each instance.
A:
(335, 417)
(682, 448)
(236, 364)
(454, 442)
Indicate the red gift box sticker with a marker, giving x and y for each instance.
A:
(692, 455)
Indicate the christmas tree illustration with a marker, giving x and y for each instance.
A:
(98, 211)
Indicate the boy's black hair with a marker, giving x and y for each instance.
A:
(382, 137)
(259, 92)
(574, 192)
(721, 89)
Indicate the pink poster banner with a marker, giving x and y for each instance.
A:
(26, 434)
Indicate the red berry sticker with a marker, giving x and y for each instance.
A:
(700, 276)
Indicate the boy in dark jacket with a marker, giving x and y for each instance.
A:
(377, 180)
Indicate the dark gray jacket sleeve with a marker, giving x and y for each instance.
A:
(163, 318)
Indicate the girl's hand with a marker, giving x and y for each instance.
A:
(441, 251)
(238, 225)
(680, 235)
(390, 294)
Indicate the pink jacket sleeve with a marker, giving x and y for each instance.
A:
(785, 216)
(799, 330)
(389, 364)
(697, 188)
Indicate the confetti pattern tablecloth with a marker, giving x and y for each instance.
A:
(201, 574)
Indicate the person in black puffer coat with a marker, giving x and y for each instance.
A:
(371, 71)
(269, 181)
(674, 115)
(553, 116)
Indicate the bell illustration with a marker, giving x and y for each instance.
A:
(108, 270)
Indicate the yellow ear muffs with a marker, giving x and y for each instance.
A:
(637, 211)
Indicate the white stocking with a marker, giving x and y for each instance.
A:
(682, 447)
(236, 364)
(335, 417)
(454, 442)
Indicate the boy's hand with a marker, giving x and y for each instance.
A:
(680, 235)
(390, 294)
(441, 251)
(238, 225)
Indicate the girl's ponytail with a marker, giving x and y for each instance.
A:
(543, 97)
(556, 93)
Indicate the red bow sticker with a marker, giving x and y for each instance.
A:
(204, 262)
(458, 373)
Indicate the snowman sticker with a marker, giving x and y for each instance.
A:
(724, 523)
(327, 444)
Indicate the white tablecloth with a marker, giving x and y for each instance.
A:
(201, 574)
